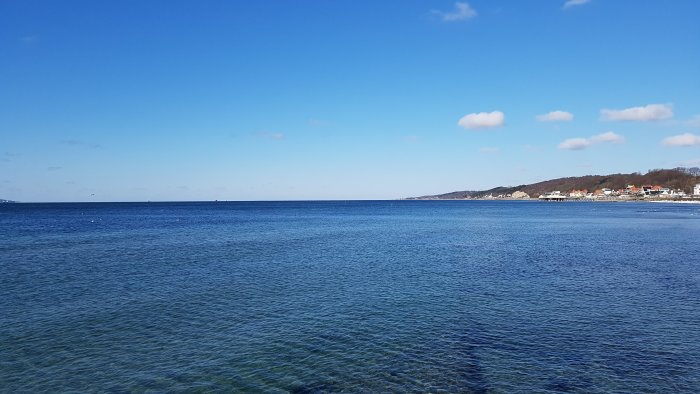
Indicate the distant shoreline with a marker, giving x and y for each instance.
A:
(669, 201)
(693, 201)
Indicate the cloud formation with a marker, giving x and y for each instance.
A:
(269, 135)
(556, 116)
(686, 139)
(691, 163)
(642, 114)
(462, 11)
(572, 3)
(318, 122)
(694, 121)
(583, 143)
(79, 143)
(7, 156)
(575, 144)
(608, 137)
(482, 120)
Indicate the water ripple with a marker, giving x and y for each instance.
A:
(472, 297)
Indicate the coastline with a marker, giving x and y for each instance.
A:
(694, 201)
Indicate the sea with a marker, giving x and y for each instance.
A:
(350, 296)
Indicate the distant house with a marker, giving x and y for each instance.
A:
(578, 193)
(678, 193)
(654, 190)
(632, 190)
(696, 190)
(553, 196)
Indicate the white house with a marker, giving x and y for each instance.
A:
(696, 190)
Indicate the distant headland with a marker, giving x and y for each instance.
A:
(6, 201)
(661, 184)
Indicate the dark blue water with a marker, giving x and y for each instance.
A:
(444, 296)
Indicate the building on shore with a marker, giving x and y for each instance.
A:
(578, 193)
(630, 192)
(553, 196)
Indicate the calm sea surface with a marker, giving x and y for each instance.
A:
(402, 296)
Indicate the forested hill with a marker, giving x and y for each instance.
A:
(677, 178)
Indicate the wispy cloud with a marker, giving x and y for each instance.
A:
(583, 143)
(686, 139)
(28, 40)
(531, 148)
(411, 139)
(608, 137)
(556, 116)
(54, 168)
(83, 144)
(461, 12)
(270, 135)
(482, 120)
(691, 163)
(694, 121)
(318, 123)
(573, 3)
(7, 156)
(646, 113)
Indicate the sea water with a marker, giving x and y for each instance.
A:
(358, 296)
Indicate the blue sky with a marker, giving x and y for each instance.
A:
(275, 100)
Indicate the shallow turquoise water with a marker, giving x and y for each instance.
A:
(421, 296)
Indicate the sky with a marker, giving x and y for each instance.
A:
(339, 99)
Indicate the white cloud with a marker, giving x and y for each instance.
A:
(482, 120)
(556, 116)
(462, 11)
(608, 137)
(571, 3)
(694, 121)
(643, 114)
(575, 144)
(686, 139)
(583, 143)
